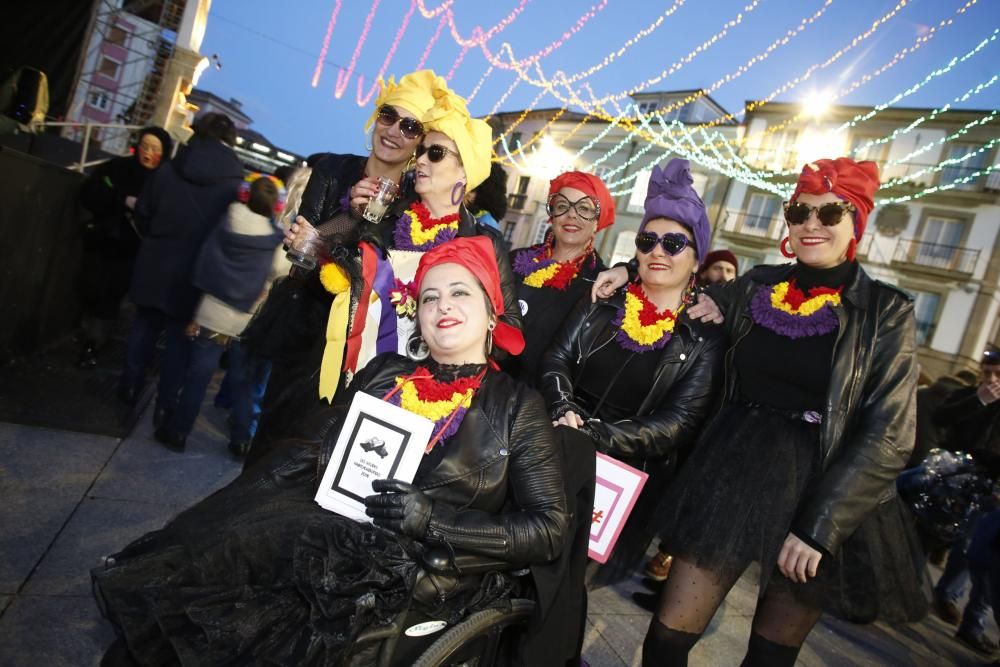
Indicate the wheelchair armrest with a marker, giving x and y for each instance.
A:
(440, 561)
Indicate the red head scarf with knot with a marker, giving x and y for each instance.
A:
(476, 254)
(593, 187)
(854, 182)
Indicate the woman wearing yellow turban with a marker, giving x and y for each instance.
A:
(371, 264)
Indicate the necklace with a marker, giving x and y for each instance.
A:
(640, 327)
(417, 230)
(444, 403)
(538, 269)
(787, 310)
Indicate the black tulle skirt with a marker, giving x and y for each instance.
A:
(734, 502)
(259, 574)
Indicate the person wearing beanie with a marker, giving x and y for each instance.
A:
(373, 264)
(634, 372)
(720, 266)
(797, 468)
(555, 274)
(110, 239)
(277, 579)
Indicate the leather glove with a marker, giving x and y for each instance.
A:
(400, 507)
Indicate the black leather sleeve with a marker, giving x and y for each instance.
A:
(560, 361)
(320, 188)
(880, 441)
(532, 530)
(679, 418)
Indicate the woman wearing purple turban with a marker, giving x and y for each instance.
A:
(633, 371)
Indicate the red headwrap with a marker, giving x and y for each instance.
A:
(855, 182)
(593, 187)
(476, 254)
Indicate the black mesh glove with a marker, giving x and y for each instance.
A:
(400, 507)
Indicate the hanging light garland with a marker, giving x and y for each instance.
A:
(374, 88)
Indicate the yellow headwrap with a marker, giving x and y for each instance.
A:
(414, 92)
(474, 138)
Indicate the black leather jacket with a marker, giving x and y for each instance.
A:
(689, 369)
(499, 489)
(330, 179)
(869, 418)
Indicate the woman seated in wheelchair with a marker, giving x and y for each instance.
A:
(258, 573)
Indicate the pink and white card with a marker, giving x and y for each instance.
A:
(616, 491)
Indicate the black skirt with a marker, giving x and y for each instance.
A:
(735, 501)
(258, 573)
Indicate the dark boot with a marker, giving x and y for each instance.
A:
(765, 653)
(172, 441)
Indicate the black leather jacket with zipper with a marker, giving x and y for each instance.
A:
(499, 488)
(869, 417)
(677, 403)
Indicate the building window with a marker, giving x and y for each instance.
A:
(518, 199)
(966, 167)
(116, 35)
(109, 67)
(508, 230)
(648, 107)
(925, 311)
(760, 212)
(99, 100)
(640, 186)
(624, 249)
(515, 140)
(939, 241)
(862, 148)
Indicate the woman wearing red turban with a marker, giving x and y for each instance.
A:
(797, 470)
(259, 573)
(553, 275)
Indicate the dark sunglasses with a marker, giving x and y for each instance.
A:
(830, 214)
(586, 208)
(436, 152)
(411, 128)
(671, 242)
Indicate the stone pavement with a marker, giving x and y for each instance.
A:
(69, 499)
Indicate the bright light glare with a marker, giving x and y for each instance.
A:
(816, 104)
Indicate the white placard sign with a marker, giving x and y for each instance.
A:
(615, 492)
(378, 440)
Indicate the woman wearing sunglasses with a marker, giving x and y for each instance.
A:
(289, 329)
(634, 372)
(797, 470)
(367, 268)
(554, 275)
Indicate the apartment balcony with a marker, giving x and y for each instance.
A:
(911, 177)
(758, 230)
(935, 257)
(521, 204)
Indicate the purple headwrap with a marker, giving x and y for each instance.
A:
(671, 196)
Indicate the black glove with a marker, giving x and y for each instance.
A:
(400, 507)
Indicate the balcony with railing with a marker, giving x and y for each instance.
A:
(746, 224)
(936, 256)
(519, 203)
(773, 159)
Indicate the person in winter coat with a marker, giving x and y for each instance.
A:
(175, 213)
(231, 270)
(110, 238)
(634, 372)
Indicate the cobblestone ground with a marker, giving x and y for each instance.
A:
(71, 498)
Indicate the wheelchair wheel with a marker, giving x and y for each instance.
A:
(475, 642)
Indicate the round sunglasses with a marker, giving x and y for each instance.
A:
(830, 214)
(436, 152)
(410, 128)
(585, 207)
(673, 243)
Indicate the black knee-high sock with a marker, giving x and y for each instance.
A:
(763, 652)
(665, 647)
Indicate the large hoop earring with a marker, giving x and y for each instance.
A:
(457, 199)
(785, 249)
(416, 347)
(489, 338)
